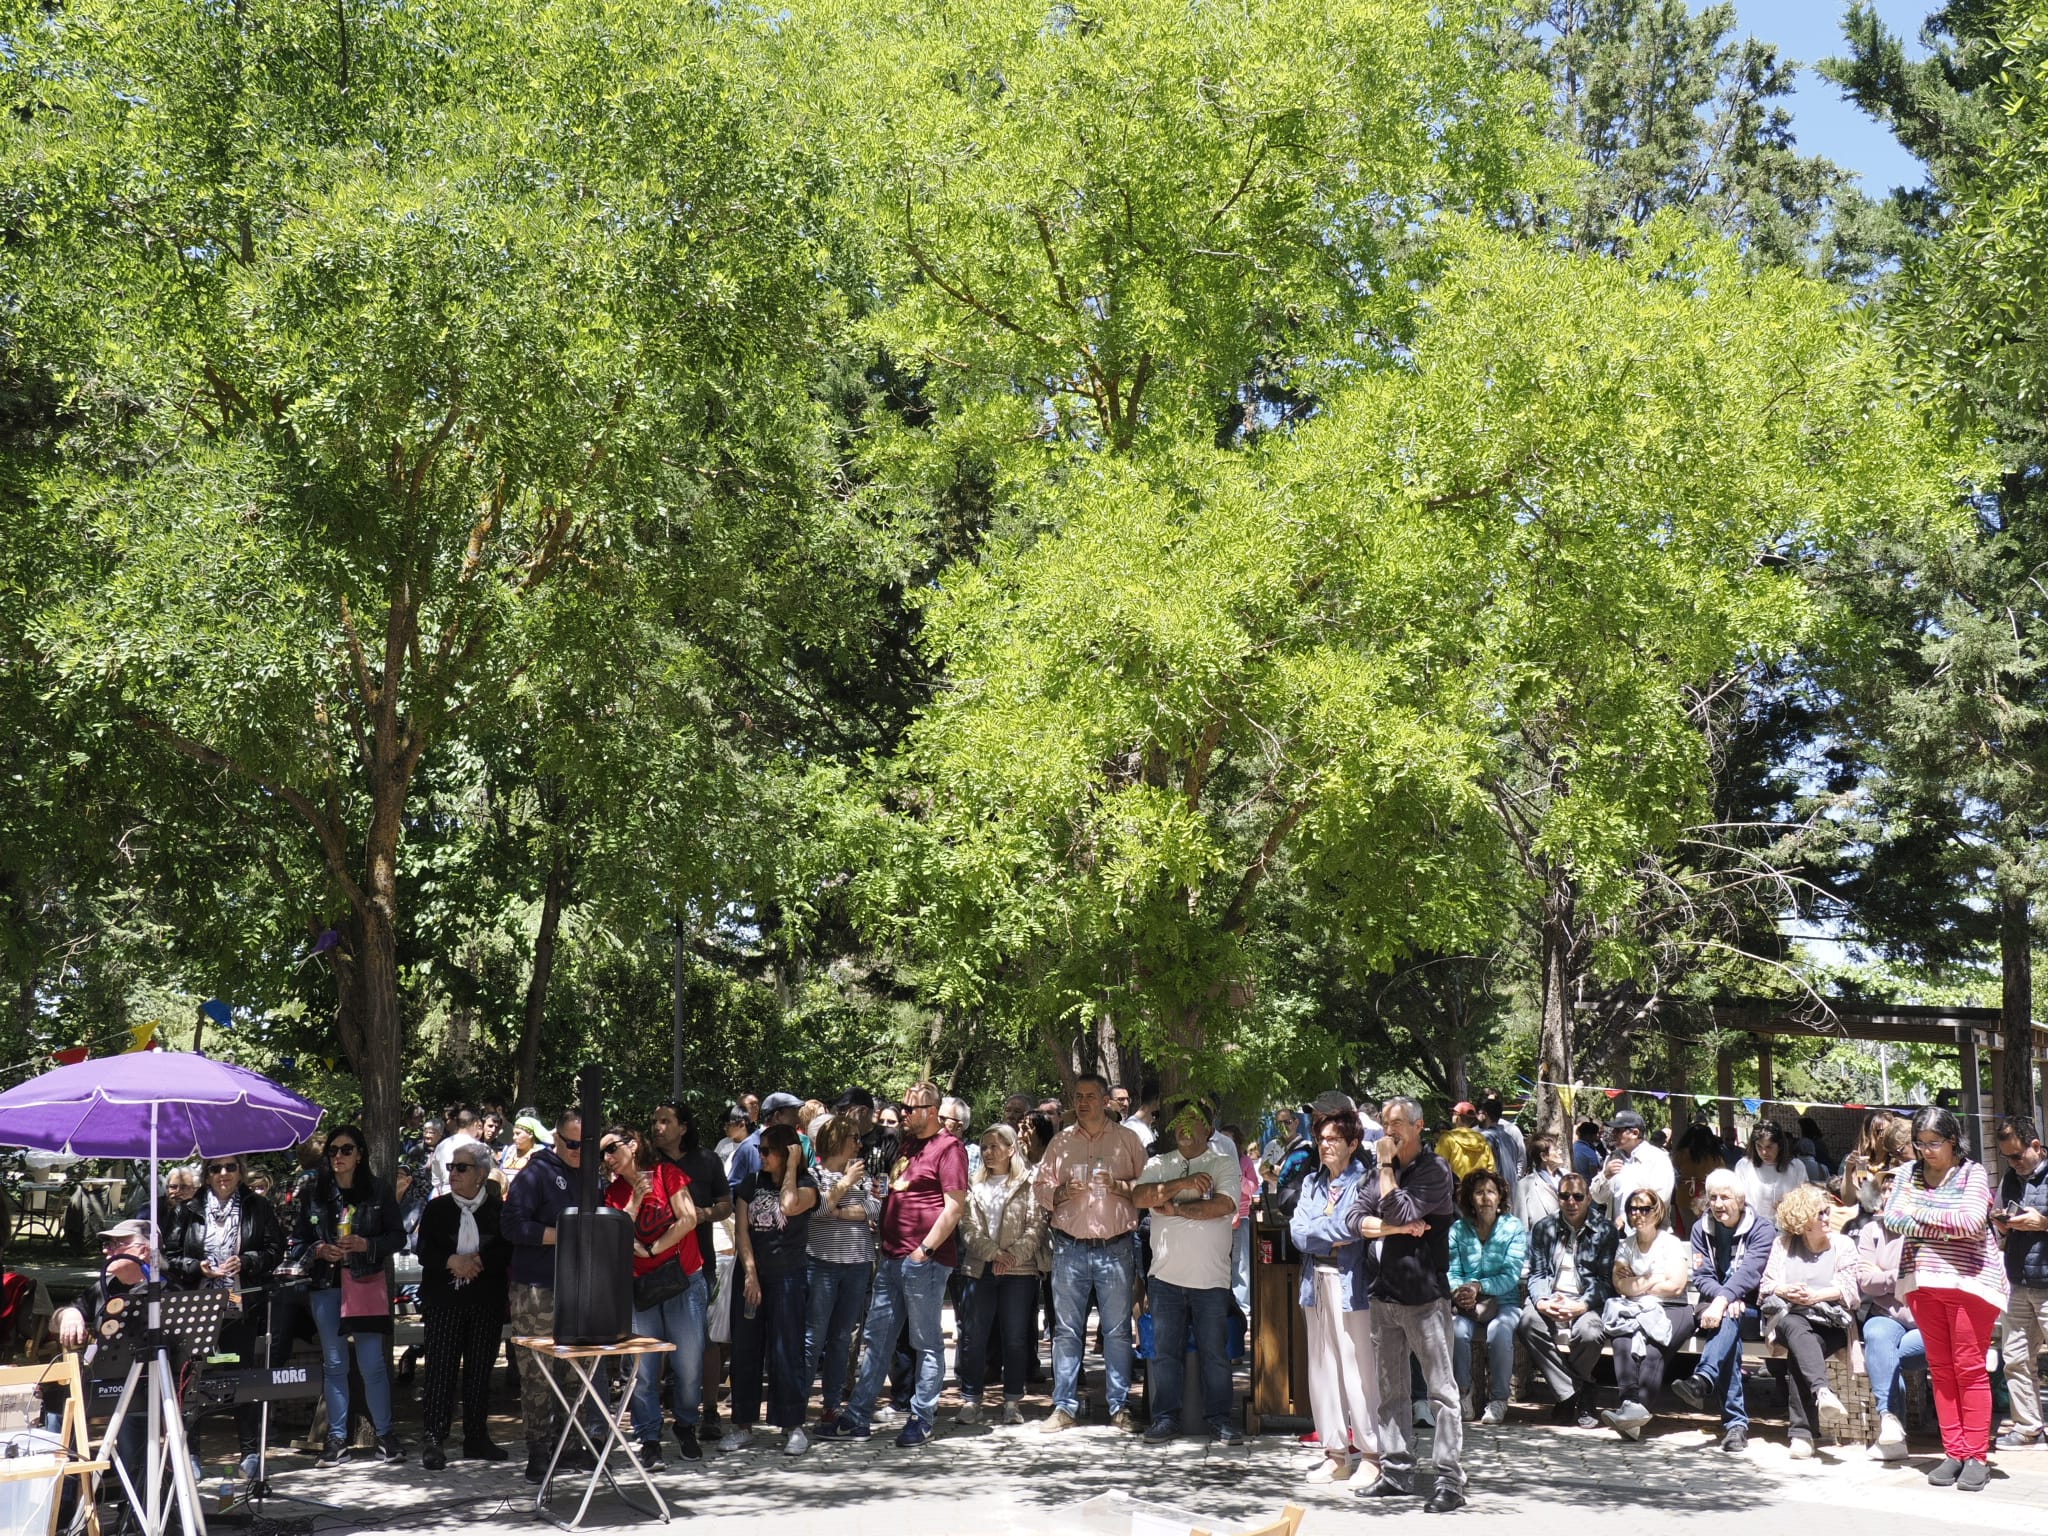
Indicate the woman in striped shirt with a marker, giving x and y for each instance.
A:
(1953, 1279)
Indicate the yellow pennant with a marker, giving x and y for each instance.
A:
(141, 1036)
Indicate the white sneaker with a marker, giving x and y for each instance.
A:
(1832, 1414)
(1425, 1415)
(1013, 1411)
(885, 1413)
(970, 1413)
(738, 1440)
(1802, 1448)
(798, 1442)
(1891, 1439)
(1496, 1413)
(1331, 1469)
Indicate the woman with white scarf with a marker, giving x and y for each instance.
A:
(463, 1264)
(228, 1238)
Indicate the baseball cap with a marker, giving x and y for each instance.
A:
(1628, 1120)
(853, 1096)
(776, 1101)
(1464, 1107)
(121, 1231)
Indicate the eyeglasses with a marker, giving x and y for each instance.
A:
(921, 1104)
(1641, 1210)
(344, 1149)
(223, 1168)
(1929, 1146)
(1575, 1199)
(465, 1167)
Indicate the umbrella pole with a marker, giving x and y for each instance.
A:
(154, 1509)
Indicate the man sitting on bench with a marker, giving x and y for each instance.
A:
(1729, 1251)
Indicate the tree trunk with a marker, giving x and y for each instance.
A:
(1554, 1052)
(366, 975)
(553, 898)
(2015, 1087)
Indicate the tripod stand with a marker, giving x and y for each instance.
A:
(190, 1321)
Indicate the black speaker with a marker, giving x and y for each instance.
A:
(593, 1247)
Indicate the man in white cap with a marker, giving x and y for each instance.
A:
(776, 1109)
(1635, 1163)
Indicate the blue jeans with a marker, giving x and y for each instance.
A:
(1890, 1349)
(1172, 1308)
(773, 1336)
(1006, 1305)
(1500, 1350)
(907, 1296)
(1721, 1362)
(839, 1295)
(326, 1306)
(679, 1320)
(1078, 1270)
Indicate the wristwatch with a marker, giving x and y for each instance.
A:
(920, 1248)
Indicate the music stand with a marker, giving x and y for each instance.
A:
(190, 1322)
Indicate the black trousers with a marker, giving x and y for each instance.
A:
(1641, 1378)
(460, 1336)
(1809, 1346)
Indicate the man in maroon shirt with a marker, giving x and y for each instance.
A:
(927, 1196)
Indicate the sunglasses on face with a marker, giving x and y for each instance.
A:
(464, 1168)
(346, 1149)
(573, 1143)
(609, 1147)
(224, 1168)
(1574, 1196)
(1641, 1210)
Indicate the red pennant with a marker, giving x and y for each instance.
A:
(72, 1056)
(1855, 1106)
(1614, 1093)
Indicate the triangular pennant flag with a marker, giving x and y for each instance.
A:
(1802, 1109)
(141, 1037)
(1705, 1100)
(1564, 1096)
(219, 1012)
(1614, 1093)
(1855, 1106)
(1752, 1105)
(1659, 1097)
(71, 1056)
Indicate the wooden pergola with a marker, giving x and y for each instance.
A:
(1973, 1033)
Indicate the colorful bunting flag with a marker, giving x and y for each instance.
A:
(1752, 1105)
(141, 1037)
(71, 1056)
(219, 1012)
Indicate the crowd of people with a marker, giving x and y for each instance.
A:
(808, 1252)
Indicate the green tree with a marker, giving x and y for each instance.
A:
(387, 333)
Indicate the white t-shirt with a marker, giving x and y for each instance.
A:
(1191, 1253)
(444, 1154)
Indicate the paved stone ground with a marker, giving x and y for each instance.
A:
(993, 1481)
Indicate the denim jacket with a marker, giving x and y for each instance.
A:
(1325, 1216)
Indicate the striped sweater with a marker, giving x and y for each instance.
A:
(1949, 1241)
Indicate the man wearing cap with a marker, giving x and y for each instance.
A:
(124, 1253)
(1462, 1146)
(776, 1109)
(1635, 1163)
(1191, 1192)
(533, 1208)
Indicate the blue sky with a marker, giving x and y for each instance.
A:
(1807, 30)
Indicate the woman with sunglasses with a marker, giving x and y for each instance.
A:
(1648, 1317)
(655, 1193)
(464, 1261)
(1952, 1276)
(346, 1230)
(228, 1239)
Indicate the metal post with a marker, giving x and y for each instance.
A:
(676, 1048)
(1973, 1089)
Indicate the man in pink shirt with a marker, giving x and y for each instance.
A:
(1085, 1181)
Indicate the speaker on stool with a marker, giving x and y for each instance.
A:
(593, 1246)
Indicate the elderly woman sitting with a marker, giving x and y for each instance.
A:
(1808, 1301)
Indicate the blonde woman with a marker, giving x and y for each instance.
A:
(1808, 1299)
(1003, 1252)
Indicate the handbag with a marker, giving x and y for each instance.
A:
(365, 1295)
(1485, 1308)
(666, 1279)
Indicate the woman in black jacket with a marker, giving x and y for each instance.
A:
(228, 1238)
(463, 1265)
(348, 1224)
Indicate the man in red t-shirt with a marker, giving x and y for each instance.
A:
(927, 1196)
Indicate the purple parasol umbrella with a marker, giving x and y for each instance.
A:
(155, 1103)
